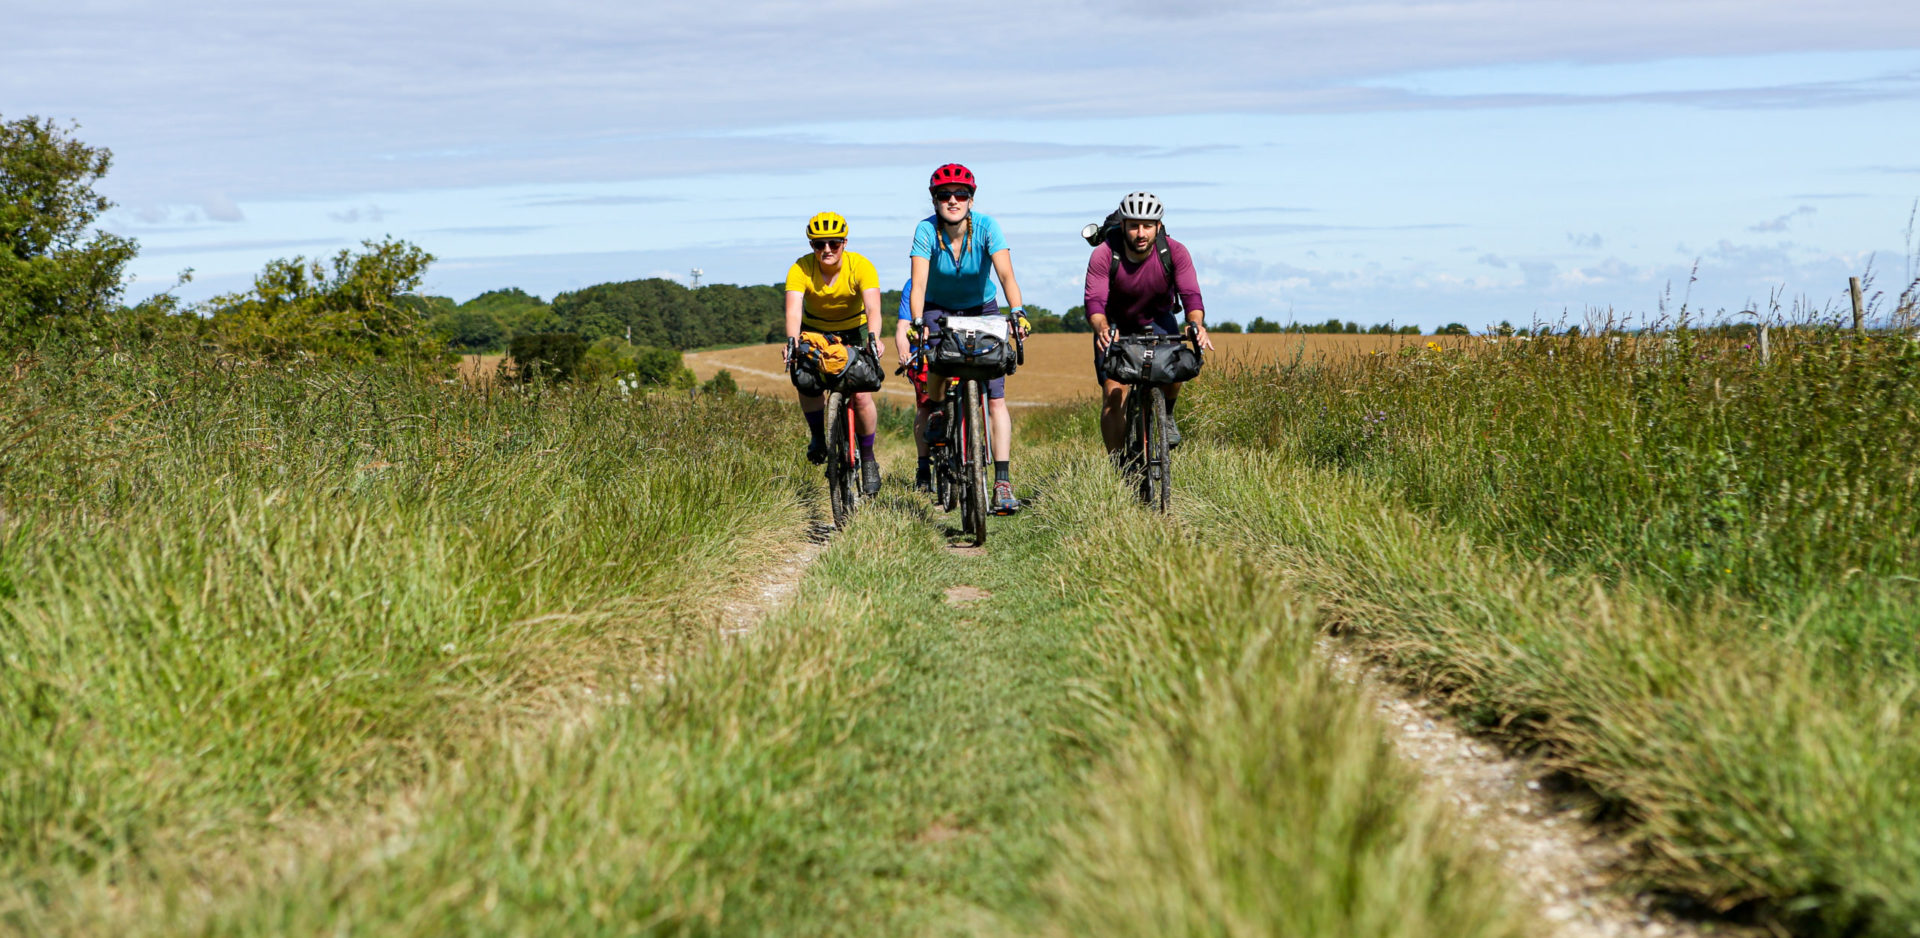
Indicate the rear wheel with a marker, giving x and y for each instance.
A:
(843, 470)
(976, 463)
(947, 460)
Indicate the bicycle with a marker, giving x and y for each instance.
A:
(1144, 362)
(843, 461)
(963, 454)
(843, 458)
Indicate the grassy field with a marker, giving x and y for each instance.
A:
(304, 651)
(885, 759)
(313, 651)
(1681, 574)
(235, 598)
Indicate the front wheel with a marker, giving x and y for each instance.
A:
(1159, 475)
(976, 462)
(843, 469)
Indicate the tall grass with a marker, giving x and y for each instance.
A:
(1748, 776)
(1683, 572)
(232, 595)
(1252, 793)
(1679, 459)
(1149, 750)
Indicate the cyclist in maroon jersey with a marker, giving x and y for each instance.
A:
(1137, 279)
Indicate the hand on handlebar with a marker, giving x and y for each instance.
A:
(786, 355)
(1102, 338)
(1198, 334)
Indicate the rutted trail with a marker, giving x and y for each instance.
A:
(1564, 864)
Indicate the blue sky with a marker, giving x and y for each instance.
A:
(1405, 160)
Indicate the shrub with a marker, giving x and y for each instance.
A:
(50, 271)
(548, 356)
(359, 310)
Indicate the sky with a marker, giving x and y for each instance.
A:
(1412, 161)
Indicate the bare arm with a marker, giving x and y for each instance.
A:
(793, 314)
(902, 340)
(1003, 266)
(917, 301)
(870, 298)
(1197, 318)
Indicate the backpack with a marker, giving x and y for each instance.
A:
(1108, 232)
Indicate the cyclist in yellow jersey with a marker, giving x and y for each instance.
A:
(836, 292)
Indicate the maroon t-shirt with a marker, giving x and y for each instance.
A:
(1139, 291)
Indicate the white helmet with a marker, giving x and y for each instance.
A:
(1143, 206)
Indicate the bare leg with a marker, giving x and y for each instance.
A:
(1002, 423)
(865, 414)
(1113, 415)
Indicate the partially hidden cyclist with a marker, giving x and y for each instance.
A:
(1128, 292)
(918, 375)
(836, 292)
(954, 249)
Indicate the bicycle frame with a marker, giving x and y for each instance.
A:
(1145, 455)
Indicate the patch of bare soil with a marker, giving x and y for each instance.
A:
(941, 831)
(1560, 861)
(744, 611)
(961, 595)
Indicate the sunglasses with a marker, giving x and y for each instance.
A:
(943, 195)
(834, 243)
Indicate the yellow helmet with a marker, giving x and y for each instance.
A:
(826, 225)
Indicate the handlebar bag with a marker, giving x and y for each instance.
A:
(972, 347)
(818, 362)
(863, 372)
(1151, 362)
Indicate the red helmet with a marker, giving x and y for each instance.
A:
(952, 174)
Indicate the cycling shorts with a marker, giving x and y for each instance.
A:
(997, 388)
(1163, 324)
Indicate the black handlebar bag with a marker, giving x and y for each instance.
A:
(975, 348)
(1152, 362)
(863, 372)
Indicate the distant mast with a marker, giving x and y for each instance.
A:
(696, 277)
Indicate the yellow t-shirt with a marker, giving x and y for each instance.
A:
(837, 307)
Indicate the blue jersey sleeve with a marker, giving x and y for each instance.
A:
(991, 236)
(922, 239)
(906, 300)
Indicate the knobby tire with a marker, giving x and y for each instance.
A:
(843, 486)
(976, 463)
(1159, 475)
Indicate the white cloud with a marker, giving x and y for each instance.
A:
(309, 98)
(355, 215)
(1782, 222)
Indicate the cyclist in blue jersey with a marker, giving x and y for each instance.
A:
(954, 249)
